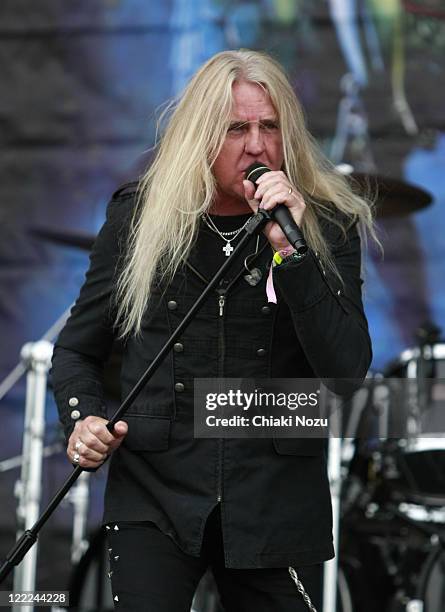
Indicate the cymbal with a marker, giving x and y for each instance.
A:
(75, 239)
(393, 197)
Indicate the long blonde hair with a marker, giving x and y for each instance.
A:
(179, 185)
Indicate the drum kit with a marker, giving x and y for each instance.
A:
(391, 546)
(389, 492)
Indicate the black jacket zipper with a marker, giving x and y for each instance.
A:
(222, 298)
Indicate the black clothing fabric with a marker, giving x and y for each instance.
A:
(150, 573)
(274, 493)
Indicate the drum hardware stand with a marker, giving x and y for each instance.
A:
(362, 401)
(417, 604)
(20, 369)
(35, 361)
(415, 373)
(37, 357)
(79, 498)
(339, 450)
(16, 462)
(29, 537)
(427, 335)
(330, 574)
(382, 407)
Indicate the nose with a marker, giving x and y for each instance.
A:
(254, 144)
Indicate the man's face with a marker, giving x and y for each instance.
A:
(254, 135)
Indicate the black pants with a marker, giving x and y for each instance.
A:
(150, 573)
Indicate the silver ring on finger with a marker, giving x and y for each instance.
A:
(76, 458)
(78, 444)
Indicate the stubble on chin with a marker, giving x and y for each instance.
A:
(230, 201)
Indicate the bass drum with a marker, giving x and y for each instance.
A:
(392, 560)
(428, 586)
(417, 397)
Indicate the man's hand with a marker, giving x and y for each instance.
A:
(91, 442)
(274, 188)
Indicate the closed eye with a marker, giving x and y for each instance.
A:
(267, 126)
(238, 126)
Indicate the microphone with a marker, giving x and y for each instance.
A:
(280, 213)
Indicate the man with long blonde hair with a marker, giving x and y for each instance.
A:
(251, 509)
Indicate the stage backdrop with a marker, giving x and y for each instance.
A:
(83, 82)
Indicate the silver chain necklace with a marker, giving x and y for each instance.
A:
(227, 248)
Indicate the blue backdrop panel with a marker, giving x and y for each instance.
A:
(82, 85)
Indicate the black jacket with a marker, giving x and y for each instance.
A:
(274, 493)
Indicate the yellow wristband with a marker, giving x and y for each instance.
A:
(277, 258)
(285, 257)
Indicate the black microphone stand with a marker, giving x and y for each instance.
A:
(29, 537)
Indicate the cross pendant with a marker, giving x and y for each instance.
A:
(227, 249)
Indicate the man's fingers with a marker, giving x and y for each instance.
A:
(84, 456)
(91, 442)
(78, 448)
(91, 455)
(249, 192)
(97, 428)
(119, 432)
(120, 429)
(84, 462)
